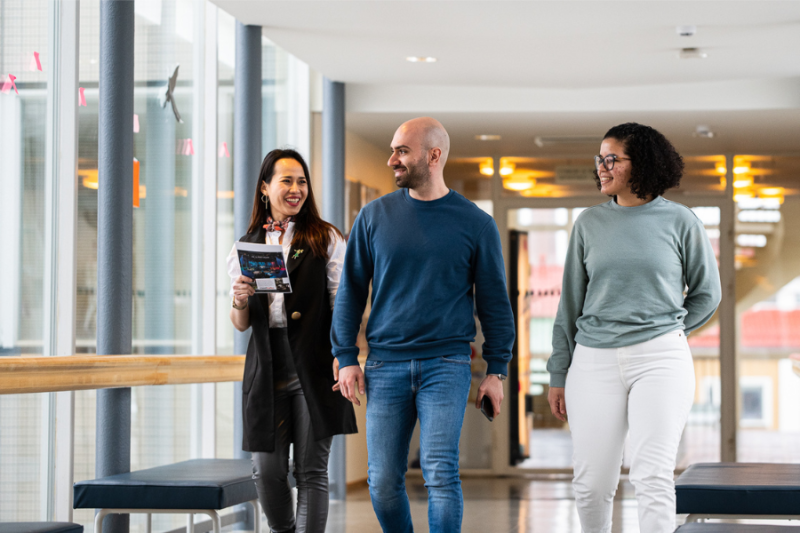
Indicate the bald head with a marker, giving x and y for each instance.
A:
(429, 133)
(419, 153)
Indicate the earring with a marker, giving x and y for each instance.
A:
(265, 199)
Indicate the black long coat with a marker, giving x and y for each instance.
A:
(308, 313)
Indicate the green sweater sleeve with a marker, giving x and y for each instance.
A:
(702, 278)
(573, 293)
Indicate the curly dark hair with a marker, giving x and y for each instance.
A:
(655, 164)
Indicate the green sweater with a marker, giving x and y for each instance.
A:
(625, 276)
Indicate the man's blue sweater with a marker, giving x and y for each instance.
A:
(426, 260)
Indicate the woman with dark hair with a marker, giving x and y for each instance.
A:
(639, 275)
(287, 395)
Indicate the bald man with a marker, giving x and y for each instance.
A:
(432, 257)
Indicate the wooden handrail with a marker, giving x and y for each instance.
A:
(81, 372)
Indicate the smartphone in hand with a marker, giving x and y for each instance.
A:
(487, 408)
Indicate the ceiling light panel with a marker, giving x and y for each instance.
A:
(692, 53)
(421, 59)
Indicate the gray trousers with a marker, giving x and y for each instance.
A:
(271, 469)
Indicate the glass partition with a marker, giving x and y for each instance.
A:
(226, 64)
(274, 88)
(471, 177)
(539, 245)
(25, 74)
(768, 307)
(541, 177)
(164, 157)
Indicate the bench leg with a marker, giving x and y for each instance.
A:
(216, 521)
(98, 520)
(190, 523)
(148, 523)
(257, 516)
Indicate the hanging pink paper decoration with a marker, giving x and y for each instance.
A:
(9, 84)
(36, 64)
(186, 147)
(223, 150)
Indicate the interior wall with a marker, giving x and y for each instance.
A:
(365, 162)
(356, 445)
(316, 158)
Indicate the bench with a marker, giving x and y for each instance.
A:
(197, 486)
(739, 490)
(40, 527)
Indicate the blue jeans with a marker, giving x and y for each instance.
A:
(435, 391)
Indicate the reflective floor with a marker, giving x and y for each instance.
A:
(494, 505)
(552, 448)
(499, 505)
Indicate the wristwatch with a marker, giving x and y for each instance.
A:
(233, 304)
(501, 377)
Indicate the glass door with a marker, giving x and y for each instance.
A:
(538, 440)
(538, 249)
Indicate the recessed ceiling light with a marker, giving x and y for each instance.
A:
(686, 31)
(692, 53)
(420, 59)
(488, 137)
(704, 132)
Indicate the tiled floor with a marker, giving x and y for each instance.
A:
(495, 505)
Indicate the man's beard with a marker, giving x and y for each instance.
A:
(415, 175)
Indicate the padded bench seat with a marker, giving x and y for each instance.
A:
(40, 527)
(193, 487)
(734, 528)
(739, 489)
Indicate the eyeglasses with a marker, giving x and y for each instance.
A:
(608, 161)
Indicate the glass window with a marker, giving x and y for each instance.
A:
(471, 177)
(226, 63)
(542, 236)
(537, 177)
(164, 152)
(274, 134)
(539, 241)
(24, 419)
(768, 307)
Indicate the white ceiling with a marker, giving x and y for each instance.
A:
(752, 132)
(527, 68)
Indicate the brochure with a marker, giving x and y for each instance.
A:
(266, 264)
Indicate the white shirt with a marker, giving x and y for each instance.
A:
(277, 311)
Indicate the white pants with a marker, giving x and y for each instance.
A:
(646, 390)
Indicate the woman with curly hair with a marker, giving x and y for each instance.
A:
(639, 275)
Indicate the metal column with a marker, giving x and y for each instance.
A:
(333, 152)
(333, 211)
(246, 164)
(115, 235)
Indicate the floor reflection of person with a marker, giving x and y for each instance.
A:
(287, 396)
(621, 364)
